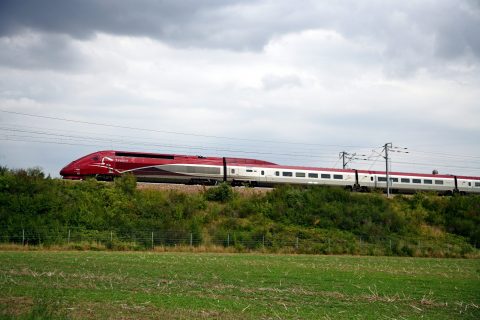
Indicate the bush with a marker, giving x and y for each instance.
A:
(45, 210)
(222, 193)
(127, 183)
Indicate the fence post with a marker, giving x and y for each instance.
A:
(191, 239)
(329, 250)
(111, 236)
(68, 240)
(263, 241)
(296, 244)
(390, 240)
(228, 240)
(152, 242)
(23, 237)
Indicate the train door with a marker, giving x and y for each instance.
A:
(272, 176)
(470, 185)
(262, 177)
(233, 172)
(465, 185)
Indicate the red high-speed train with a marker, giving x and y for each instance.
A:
(173, 168)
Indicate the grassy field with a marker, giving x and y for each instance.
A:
(128, 285)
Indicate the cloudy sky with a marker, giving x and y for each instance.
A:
(294, 82)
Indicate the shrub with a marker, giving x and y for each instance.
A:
(127, 183)
(222, 193)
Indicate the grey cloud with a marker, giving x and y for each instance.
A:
(413, 34)
(165, 20)
(243, 23)
(38, 51)
(454, 40)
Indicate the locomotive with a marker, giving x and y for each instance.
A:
(188, 169)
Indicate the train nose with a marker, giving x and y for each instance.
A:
(69, 170)
(66, 171)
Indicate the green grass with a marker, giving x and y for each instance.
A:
(79, 285)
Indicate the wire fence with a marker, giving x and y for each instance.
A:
(134, 239)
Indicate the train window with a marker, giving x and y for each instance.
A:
(371, 178)
(144, 155)
(325, 176)
(477, 184)
(338, 176)
(405, 180)
(313, 175)
(427, 181)
(382, 179)
(416, 181)
(277, 173)
(438, 181)
(394, 179)
(300, 174)
(249, 170)
(287, 174)
(469, 184)
(263, 172)
(233, 171)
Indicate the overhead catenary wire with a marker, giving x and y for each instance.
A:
(250, 150)
(173, 132)
(445, 154)
(213, 136)
(309, 151)
(72, 139)
(130, 142)
(426, 165)
(90, 136)
(13, 138)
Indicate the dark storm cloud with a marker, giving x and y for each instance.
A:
(180, 21)
(411, 35)
(244, 24)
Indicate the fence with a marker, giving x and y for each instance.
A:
(132, 239)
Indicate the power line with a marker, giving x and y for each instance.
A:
(45, 131)
(130, 142)
(172, 132)
(296, 155)
(415, 164)
(51, 142)
(69, 139)
(34, 139)
(445, 154)
(435, 165)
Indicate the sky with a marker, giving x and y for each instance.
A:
(293, 82)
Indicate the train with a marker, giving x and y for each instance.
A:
(188, 169)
